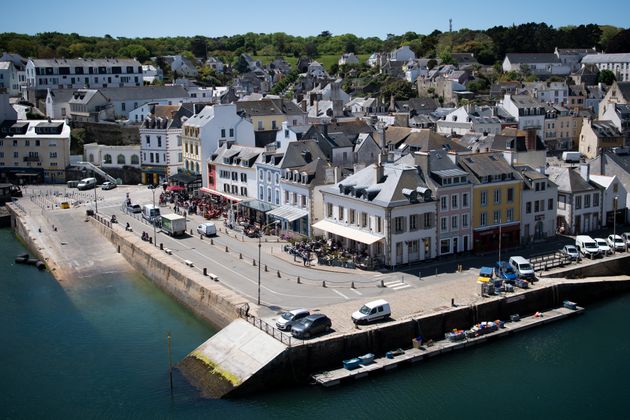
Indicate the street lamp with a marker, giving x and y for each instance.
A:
(262, 229)
(95, 200)
(152, 188)
(614, 241)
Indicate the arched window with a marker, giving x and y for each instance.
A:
(135, 160)
(121, 159)
(187, 165)
(197, 167)
(107, 159)
(91, 158)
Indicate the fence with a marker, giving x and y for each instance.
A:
(547, 261)
(268, 328)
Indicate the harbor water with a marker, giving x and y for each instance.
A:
(98, 349)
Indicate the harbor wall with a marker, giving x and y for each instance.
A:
(611, 266)
(210, 300)
(23, 231)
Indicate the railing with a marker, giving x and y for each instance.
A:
(547, 261)
(267, 328)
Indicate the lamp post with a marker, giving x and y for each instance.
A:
(259, 246)
(95, 201)
(152, 188)
(500, 234)
(614, 241)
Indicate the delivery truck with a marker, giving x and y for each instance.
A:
(173, 224)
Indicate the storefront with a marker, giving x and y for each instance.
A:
(153, 175)
(487, 240)
(255, 211)
(292, 219)
(191, 183)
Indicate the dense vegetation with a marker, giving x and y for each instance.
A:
(489, 45)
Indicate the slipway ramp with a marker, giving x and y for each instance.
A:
(229, 359)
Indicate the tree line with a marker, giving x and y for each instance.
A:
(489, 46)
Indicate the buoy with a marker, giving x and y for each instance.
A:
(40, 265)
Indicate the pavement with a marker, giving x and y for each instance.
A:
(418, 288)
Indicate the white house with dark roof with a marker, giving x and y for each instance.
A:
(597, 135)
(612, 189)
(232, 172)
(19, 63)
(527, 111)
(60, 73)
(470, 118)
(384, 213)
(403, 53)
(538, 205)
(539, 64)
(573, 56)
(348, 59)
(9, 78)
(619, 64)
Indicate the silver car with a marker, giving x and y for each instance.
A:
(616, 242)
(289, 318)
(572, 252)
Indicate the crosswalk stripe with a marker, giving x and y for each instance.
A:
(400, 286)
(390, 283)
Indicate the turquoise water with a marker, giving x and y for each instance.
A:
(99, 351)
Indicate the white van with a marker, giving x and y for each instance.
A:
(372, 311)
(587, 246)
(522, 267)
(150, 213)
(87, 184)
(207, 229)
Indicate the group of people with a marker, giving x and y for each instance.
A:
(183, 204)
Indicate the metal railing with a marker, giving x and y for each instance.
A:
(547, 261)
(264, 326)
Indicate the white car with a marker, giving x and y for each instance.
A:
(616, 242)
(289, 318)
(604, 249)
(107, 185)
(626, 237)
(571, 251)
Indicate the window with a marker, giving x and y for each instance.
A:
(378, 223)
(341, 212)
(428, 220)
(399, 224)
(587, 201)
(444, 224)
(528, 207)
(413, 222)
(453, 222)
(286, 200)
(483, 219)
(277, 201)
(329, 206)
(260, 125)
(159, 141)
(261, 191)
(231, 132)
(274, 125)
(454, 201)
(261, 175)
(234, 189)
(223, 132)
(464, 220)
(123, 106)
(484, 198)
(550, 204)
(615, 187)
(595, 199)
(277, 179)
(243, 177)
(444, 203)
(52, 155)
(121, 159)
(151, 158)
(536, 206)
(578, 202)
(445, 246)
(108, 158)
(510, 195)
(148, 140)
(351, 218)
(497, 196)
(497, 217)
(269, 177)
(465, 200)
(244, 191)
(179, 158)
(509, 215)
(364, 219)
(234, 176)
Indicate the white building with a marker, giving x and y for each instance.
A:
(112, 156)
(549, 92)
(385, 211)
(579, 201)
(19, 63)
(619, 64)
(232, 172)
(207, 130)
(470, 118)
(539, 64)
(289, 133)
(316, 70)
(62, 73)
(538, 206)
(215, 64)
(529, 112)
(160, 142)
(151, 73)
(181, 66)
(612, 189)
(403, 53)
(348, 59)
(9, 78)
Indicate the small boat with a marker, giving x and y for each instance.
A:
(353, 363)
(366, 359)
(455, 335)
(569, 305)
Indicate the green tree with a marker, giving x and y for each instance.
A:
(199, 47)
(135, 51)
(241, 65)
(401, 89)
(606, 76)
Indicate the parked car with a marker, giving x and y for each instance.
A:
(86, 184)
(372, 311)
(603, 246)
(311, 325)
(289, 318)
(572, 252)
(504, 271)
(108, 185)
(134, 208)
(523, 268)
(587, 246)
(616, 242)
(207, 229)
(626, 238)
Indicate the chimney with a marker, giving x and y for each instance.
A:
(530, 139)
(303, 105)
(316, 108)
(392, 104)
(379, 171)
(585, 171)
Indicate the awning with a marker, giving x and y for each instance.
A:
(219, 193)
(348, 232)
(258, 205)
(288, 213)
(175, 188)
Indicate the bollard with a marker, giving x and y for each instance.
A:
(298, 280)
(226, 249)
(266, 269)
(324, 283)
(150, 240)
(205, 271)
(254, 262)
(201, 236)
(191, 232)
(211, 241)
(279, 274)
(382, 283)
(161, 246)
(453, 302)
(119, 249)
(240, 256)
(352, 285)
(419, 275)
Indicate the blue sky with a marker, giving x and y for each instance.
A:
(136, 18)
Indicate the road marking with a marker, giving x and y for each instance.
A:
(391, 283)
(340, 294)
(400, 286)
(357, 292)
(396, 285)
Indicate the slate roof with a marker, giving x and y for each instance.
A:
(569, 180)
(534, 58)
(426, 139)
(606, 58)
(268, 107)
(485, 164)
(422, 105)
(605, 129)
(90, 62)
(62, 95)
(144, 92)
(298, 152)
(624, 88)
(526, 101)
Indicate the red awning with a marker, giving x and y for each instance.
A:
(221, 194)
(175, 188)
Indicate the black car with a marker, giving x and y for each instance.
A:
(134, 208)
(311, 325)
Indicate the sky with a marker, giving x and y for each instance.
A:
(139, 18)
